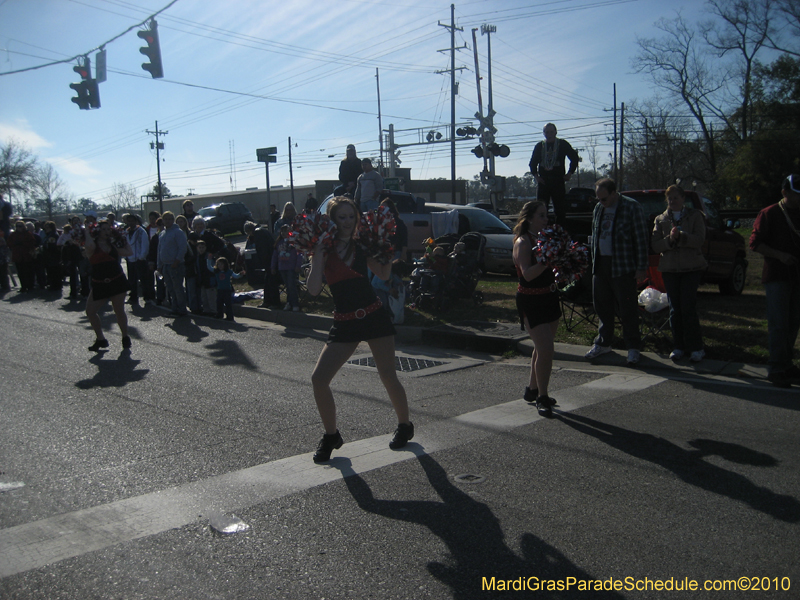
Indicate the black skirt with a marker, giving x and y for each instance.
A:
(539, 308)
(108, 280)
(375, 325)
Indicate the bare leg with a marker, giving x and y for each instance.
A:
(92, 306)
(118, 303)
(543, 337)
(333, 356)
(383, 353)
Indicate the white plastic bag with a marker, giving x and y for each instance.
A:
(653, 300)
(398, 306)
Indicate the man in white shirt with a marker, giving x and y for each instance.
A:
(369, 186)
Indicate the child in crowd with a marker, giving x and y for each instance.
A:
(224, 278)
(287, 262)
(206, 280)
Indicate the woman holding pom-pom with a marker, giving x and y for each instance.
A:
(537, 303)
(358, 316)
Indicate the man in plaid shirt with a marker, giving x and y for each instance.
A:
(620, 245)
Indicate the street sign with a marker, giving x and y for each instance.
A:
(267, 155)
(392, 183)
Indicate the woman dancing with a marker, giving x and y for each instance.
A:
(537, 303)
(108, 281)
(358, 316)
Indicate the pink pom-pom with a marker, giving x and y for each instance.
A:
(374, 231)
(311, 230)
(568, 259)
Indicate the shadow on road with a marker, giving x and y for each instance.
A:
(473, 536)
(113, 373)
(228, 352)
(690, 467)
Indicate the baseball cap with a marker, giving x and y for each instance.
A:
(792, 182)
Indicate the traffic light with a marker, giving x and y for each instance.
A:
(93, 93)
(152, 50)
(478, 151)
(82, 88)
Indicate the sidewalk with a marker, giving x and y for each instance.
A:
(497, 338)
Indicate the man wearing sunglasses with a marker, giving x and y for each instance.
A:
(776, 235)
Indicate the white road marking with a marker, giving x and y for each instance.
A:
(50, 540)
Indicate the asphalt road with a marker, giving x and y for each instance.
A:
(114, 466)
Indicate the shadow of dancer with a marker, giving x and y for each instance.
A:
(113, 373)
(690, 467)
(473, 535)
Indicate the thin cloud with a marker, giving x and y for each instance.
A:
(21, 132)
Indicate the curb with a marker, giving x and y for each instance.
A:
(474, 339)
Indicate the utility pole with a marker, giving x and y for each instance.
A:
(615, 131)
(452, 28)
(158, 146)
(621, 145)
(488, 30)
(291, 175)
(380, 127)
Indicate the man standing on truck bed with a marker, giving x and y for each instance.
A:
(548, 168)
(775, 235)
(349, 170)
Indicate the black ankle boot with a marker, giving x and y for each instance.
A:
(402, 434)
(328, 444)
(530, 394)
(98, 344)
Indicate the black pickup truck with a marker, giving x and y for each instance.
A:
(724, 249)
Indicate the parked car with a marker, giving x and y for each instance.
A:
(499, 237)
(228, 217)
(724, 249)
(488, 206)
(416, 215)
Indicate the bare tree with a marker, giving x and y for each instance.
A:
(742, 28)
(678, 65)
(49, 192)
(122, 198)
(17, 168)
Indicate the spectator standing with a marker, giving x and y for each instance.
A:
(23, 244)
(776, 235)
(548, 167)
(224, 278)
(206, 280)
(678, 236)
(51, 256)
(349, 170)
(190, 264)
(369, 187)
(6, 211)
(288, 215)
(311, 203)
(274, 215)
(137, 261)
(214, 244)
(188, 211)
(5, 284)
(286, 261)
(257, 254)
(152, 289)
(70, 258)
(619, 249)
(172, 245)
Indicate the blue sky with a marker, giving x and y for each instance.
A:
(305, 69)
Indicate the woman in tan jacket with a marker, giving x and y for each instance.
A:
(678, 235)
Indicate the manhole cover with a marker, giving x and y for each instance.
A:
(401, 363)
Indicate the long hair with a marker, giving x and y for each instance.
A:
(522, 226)
(333, 205)
(289, 211)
